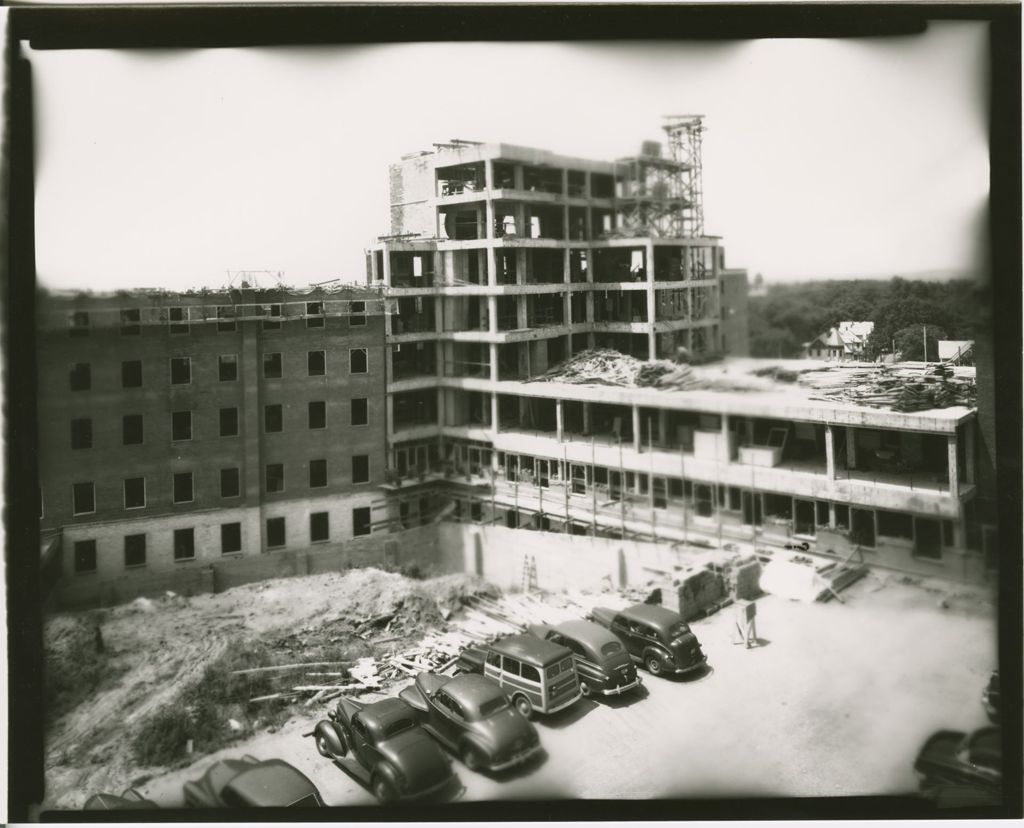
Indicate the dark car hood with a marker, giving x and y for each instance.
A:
(418, 757)
(682, 646)
(940, 748)
(506, 729)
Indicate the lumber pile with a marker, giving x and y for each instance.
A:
(901, 388)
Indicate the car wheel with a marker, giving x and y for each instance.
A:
(584, 689)
(654, 665)
(384, 790)
(523, 706)
(471, 758)
(321, 745)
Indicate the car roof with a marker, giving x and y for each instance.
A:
(273, 782)
(652, 614)
(379, 715)
(471, 690)
(587, 633)
(530, 649)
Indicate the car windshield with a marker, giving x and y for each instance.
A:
(611, 648)
(492, 706)
(398, 726)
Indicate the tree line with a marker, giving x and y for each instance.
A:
(786, 316)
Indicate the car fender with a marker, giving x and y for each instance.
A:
(662, 654)
(387, 770)
(472, 740)
(331, 733)
(196, 797)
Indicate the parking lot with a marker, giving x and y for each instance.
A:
(836, 700)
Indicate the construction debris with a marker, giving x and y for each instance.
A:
(905, 387)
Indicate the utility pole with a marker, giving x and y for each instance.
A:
(924, 341)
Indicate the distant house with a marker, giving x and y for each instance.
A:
(843, 343)
(954, 350)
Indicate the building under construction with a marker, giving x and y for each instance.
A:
(507, 261)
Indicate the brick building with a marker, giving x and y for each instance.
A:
(177, 429)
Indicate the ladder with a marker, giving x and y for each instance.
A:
(530, 574)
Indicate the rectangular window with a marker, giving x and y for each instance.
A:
(275, 477)
(227, 367)
(131, 429)
(181, 370)
(81, 433)
(85, 556)
(230, 538)
(316, 363)
(78, 323)
(184, 544)
(229, 485)
(272, 418)
(177, 319)
(134, 492)
(273, 323)
(317, 474)
(181, 425)
(275, 532)
(360, 468)
(183, 492)
(228, 422)
(134, 550)
(225, 318)
(319, 528)
(131, 373)
(318, 414)
(80, 376)
(272, 366)
(361, 521)
(357, 360)
(130, 319)
(359, 412)
(314, 314)
(83, 499)
(358, 314)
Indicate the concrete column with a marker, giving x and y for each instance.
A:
(586, 418)
(442, 397)
(636, 427)
(493, 348)
(662, 426)
(489, 230)
(725, 454)
(517, 176)
(387, 266)
(492, 314)
(494, 423)
(521, 265)
(652, 337)
(830, 457)
(390, 415)
(590, 306)
(954, 477)
(559, 420)
(374, 275)
(969, 428)
(489, 174)
(831, 515)
(851, 447)
(522, 318)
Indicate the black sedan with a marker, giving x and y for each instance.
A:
(250, 783)
(950, 757)
(383, 747)
(471, 715)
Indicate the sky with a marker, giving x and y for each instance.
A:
(822, 158)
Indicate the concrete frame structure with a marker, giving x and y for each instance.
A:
(465, 422)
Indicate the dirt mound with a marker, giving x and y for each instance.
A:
(78, 662)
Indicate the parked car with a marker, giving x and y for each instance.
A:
(602, 663)
(950, 757)
(656, 637)
(250, 783)
(471, 716)
(130, 800)
(537, 675)
(990, 697)
(383, 746)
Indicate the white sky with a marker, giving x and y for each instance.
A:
(823, 158)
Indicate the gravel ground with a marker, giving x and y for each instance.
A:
(836, 700)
